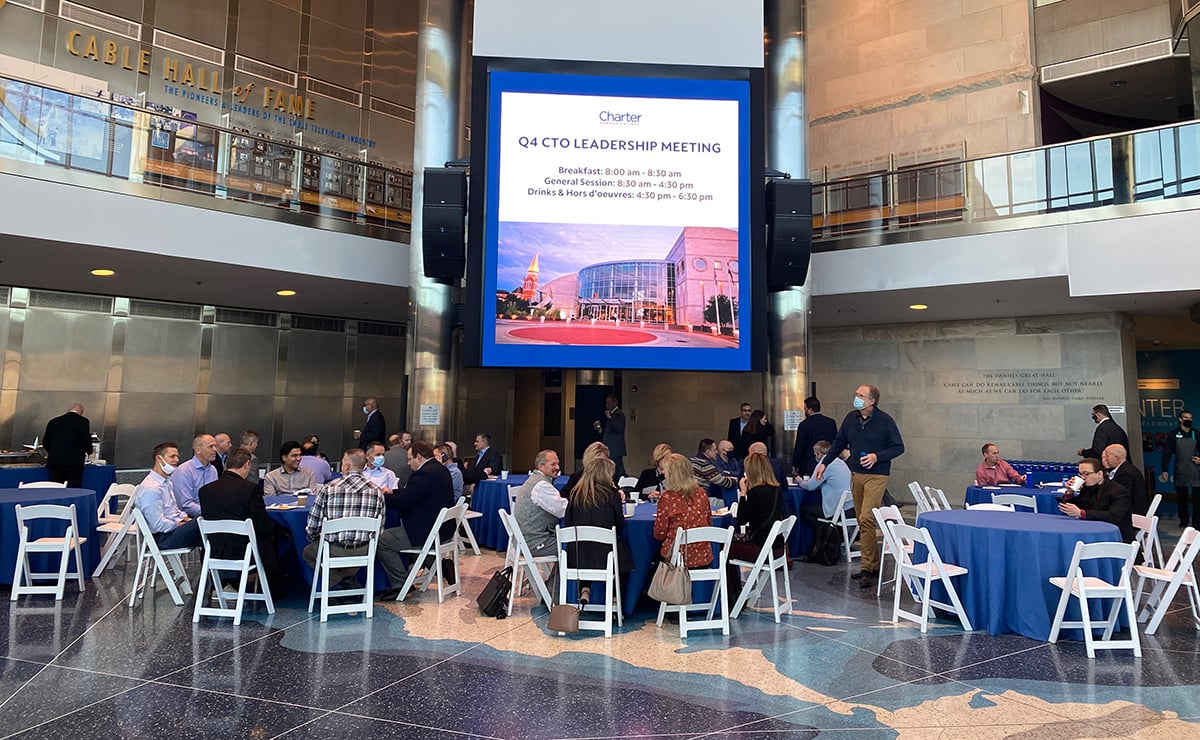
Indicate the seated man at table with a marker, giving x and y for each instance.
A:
(172, 527)
(350, 495)
(1125, 474)
(196, 472)
(313, 462)
(445, 455)
(487, 461)
(706, 472)
(231, 496)
(289, 478)
(539, 505)
(1100, 499)
(380, 477)
(429, 490)
(396, 457)
(993, 471)
(835, 481)
(726, 462)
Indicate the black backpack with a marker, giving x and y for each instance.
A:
(826, 545)
(493, 600)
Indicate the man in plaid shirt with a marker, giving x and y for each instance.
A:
(351, 495)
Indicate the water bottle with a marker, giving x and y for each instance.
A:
(1029, 477)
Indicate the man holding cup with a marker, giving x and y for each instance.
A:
(1093, 496)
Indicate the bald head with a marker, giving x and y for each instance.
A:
(1113, 456)
(757, 447)
(76, 409)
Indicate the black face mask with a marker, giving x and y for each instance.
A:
(1186, 423)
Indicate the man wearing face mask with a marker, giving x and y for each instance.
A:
(375, 472)
(374, 428)
(1108, 432)
(1181, 445)
(172, 528)
(874, 441)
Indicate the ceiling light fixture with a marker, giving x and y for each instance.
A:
(285, 293)
(1117, 83)
(918, 307)
(100, 272)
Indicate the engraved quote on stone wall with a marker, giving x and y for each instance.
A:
(1020, 386)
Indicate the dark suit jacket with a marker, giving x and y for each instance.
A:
(429, 490)
(374, 430)
(1107, 502)
(810, 431)
(613, 433)
(232, 497)
(219, 464)
(68, 438)
(1132, 480)
(1108, 432)
(491, 459)
(734, 435)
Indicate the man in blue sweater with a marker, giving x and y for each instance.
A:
(874, 441)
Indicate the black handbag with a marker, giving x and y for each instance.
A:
(493, 600)
(826, 545)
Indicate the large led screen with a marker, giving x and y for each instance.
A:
(617, 222)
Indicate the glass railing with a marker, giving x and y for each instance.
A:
(1148, 165)
(58, 132)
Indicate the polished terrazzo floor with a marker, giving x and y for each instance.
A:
(90, 666)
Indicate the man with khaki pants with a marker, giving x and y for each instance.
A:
(874, 441)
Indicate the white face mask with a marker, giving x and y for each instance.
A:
(167, 467)
(366, 410)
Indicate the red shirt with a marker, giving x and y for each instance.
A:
(674, 511)
(1001, 473)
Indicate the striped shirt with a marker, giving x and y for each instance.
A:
(351, 495)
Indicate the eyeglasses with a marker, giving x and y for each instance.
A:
(1088, 472)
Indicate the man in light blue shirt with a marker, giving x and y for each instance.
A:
(171, 527)
(447, 459)
(832, 484)
(198, 471)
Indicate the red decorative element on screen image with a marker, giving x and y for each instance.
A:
(582, 334)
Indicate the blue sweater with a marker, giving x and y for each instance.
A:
(878, 433)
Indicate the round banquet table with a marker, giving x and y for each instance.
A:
(294, 519)
(1010, 557)
(1047, 499)
(490, 496)
(95, 477)
(85, 515)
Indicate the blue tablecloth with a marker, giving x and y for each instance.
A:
(1010, 557)
(802, 535)
(489, 497)
(1047, 501)
(85, 514)
(95, 477)
(291, 559)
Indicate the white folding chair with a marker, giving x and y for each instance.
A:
(919, 496)
(512, 498)
(63, 545)
(927, 572)
(153, 561)
(1154, 502)
(1014, 500)
(250, 562)
(1147, 539)
(1178, 571)
(438, 550)
(708, 536)
(328, 562)
(606, 575)
(990, 507)
(520, 556)
(41, 484)
(628, 481)
(463, 534)
(848, 525)
(1076, 584)
(116, 526)
(768, 566)
(937, 498)
(883, 515)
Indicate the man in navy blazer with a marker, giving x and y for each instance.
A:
(487, 461)
(428, 491)
(816, 427)
(374, 428)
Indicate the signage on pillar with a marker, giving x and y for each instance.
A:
(431, 414)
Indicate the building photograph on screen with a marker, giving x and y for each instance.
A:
(591, 284)
(617, 220)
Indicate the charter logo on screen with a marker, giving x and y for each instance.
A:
(620, 118)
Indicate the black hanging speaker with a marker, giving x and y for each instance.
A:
(443, 223)
(789, 232)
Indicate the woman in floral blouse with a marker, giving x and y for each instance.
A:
(682, 504)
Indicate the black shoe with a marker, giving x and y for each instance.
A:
(448, 571)
(865, 575)
(389, 595)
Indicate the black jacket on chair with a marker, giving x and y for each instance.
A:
(233, 497)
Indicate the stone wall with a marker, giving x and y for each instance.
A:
(1026, 384)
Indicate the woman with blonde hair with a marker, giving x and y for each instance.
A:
(760, 505)
(652, 477)
(683, 504)
(591, 452)
(596, 502)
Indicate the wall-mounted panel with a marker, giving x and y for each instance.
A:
(206, 22)
(232, 414)
(128, 9)
(316, 364)
(161, 356)
(350, 14)
(21, 34)
(63, 350)
(377, 372)
(336, 54)
(394, 72)
(243, 361)
(320, 416)
(269, 32)
(150, 418)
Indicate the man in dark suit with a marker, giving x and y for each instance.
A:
(224, 445)
(736, 425)
(1100, 499)
(1125, 474)
(612, 433)
(231, 496)
(816, 427)
(374, 428)
(429, 490)
(68, 440)
(1108, 432)
(487, 461)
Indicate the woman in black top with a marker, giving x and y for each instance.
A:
(758, 429)
(596, 502)
(653, 476)
(759, 507)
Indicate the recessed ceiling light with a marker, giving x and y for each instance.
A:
(918, 307)
(1117, 83)
(99, 272)
(285, 293)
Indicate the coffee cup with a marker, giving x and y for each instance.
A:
(630, 508)
(503, 475)
(302, 499)
(1075, 484)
